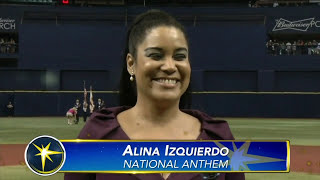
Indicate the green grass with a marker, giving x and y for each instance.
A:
(22, 172)
(299, 131)
(23, 130)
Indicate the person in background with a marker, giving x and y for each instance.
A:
(12, 46)
(71, 114)
(85, 107)
(85, 111)
(77, 105)
(294, 48)
(305, 47)
(10, 109)
(276, 47)
(282, 48)
(314, 47)
(318, 49)
(288, 48)
(299, 46)
(154, 92)
(91, 105)
(8, 45)
(309, 47)
(99, 105)
(269, 46)
(314, 44)
(2, 46)
(275, 4)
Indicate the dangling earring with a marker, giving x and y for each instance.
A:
(131, 77)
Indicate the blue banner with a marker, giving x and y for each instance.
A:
(175, 156)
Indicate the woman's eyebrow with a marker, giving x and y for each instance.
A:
(153, 48)
(160, 49)
(181, 49)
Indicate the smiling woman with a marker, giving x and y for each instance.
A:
(154, 89)
(151, 37)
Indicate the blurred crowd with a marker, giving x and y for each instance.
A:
(298, 47)
(7, 45)
(276, 3)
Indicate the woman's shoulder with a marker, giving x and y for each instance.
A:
(217, 127)
(101, 123)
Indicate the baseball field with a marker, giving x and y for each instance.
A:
(304, 136)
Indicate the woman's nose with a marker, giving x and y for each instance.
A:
(169, 66)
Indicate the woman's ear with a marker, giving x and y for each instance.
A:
(130, 64)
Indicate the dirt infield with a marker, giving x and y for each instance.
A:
(305, 159)
(12, 154)
(302, 158)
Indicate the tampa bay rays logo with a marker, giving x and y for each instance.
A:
(45, 155)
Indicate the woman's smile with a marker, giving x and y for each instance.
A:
(168, 83)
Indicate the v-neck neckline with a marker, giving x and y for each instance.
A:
(172, 175)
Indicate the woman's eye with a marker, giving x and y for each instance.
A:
(180, 57)
(155, 56)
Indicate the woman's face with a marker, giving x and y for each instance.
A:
(161, 68)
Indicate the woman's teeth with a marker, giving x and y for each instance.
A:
(167, 81)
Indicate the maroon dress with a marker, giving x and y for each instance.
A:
(104, 125)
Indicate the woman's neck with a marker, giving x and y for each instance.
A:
(155, 112)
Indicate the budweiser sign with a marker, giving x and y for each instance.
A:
(300, 25)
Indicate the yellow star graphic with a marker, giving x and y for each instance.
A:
(44, 153)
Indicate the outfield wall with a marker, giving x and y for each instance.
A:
(215, 104)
